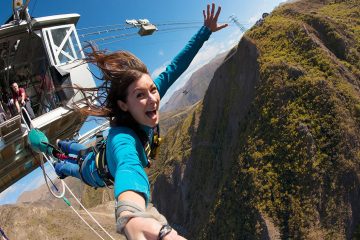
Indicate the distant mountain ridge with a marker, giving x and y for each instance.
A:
(195, 88)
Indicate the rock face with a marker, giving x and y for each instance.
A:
(208, 142)
(273, 151)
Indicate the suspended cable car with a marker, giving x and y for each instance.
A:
(44, 57)
(146, 28)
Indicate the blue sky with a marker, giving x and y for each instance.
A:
(157, 50)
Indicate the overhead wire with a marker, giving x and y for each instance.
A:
(106, 31)
(126, 36)
(109, 28)
(126, 24)
(94, 27)
(111, 37)
(136, 35)
(162, 31)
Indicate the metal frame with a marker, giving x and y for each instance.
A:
(54, 51)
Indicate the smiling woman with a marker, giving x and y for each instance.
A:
(142, 101)
(132, 106)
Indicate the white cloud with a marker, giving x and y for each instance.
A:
(252, 20)
(159, 70)
(161, 53)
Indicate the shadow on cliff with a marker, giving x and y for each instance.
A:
(190, 202)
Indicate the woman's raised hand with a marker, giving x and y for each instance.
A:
(210, 20)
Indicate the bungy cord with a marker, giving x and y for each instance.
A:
(64, 187)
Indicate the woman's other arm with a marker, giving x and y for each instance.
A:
(181, 62)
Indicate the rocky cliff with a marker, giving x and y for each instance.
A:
(274, 149)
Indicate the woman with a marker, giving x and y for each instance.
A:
(132, 104)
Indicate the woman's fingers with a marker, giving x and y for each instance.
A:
(221, 27)
(211, 18)
(217, 13)
(208, 11)
(212, 10)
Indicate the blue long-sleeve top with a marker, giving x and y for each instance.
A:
(124, 151)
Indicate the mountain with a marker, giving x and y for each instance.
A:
(42, 197)
(195, 88)
(29, 221)
(273, 150)
(39, 215)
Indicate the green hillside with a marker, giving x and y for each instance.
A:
(277, 148)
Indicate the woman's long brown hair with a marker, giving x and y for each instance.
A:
(118, 70)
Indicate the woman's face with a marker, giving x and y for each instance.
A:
(142, 101)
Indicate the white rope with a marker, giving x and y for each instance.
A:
(86, 222)
(88, 213)
(47, 184)
(65, 186)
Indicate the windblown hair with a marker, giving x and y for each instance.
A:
(119, 69)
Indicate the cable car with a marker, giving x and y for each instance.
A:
(43, 56)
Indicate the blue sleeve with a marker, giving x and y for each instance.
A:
(129, 174)
(181, 62)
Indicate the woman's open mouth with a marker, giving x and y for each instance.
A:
(151, 114)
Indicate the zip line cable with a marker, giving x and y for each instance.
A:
(161, 31)
(105, 31)
(122, 39)
(136, 35)
(94, 27)
(126, 27)
(126, 36)
(111, 37)
(155, 23)
(125, 24)
(130, 35)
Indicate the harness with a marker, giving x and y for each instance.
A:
(100, 155)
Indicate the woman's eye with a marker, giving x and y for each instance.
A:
(154, 90)
(139, 95)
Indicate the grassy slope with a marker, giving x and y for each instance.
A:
(302, 151)
(296, 161)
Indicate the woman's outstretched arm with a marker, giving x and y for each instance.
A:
(182, 61)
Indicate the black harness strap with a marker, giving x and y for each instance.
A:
(101, 165)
